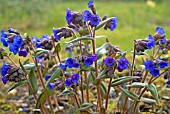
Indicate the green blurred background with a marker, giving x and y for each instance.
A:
(136, 18)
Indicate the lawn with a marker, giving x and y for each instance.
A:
(136, 18)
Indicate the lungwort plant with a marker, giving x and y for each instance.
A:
(88, 75)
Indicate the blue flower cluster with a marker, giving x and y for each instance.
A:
(73, 79)
(93, 18)
(4, 70)
(153, 66)
(89, 60)
(122, 63)
(14, 41)
(70, 63)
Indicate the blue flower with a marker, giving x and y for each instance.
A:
(63, 66)
(88, 61)
(162, 41)
(95, 20)
(94, 57)
(69, 16)
(151, 43)
(13, 48)
(69, 82)
(90, 3)
(75, 78)
(155, 72)
(4, 80)
(23, 52)
(113, 23)
(76, 65)
(162, 64)
(70, 62)
(4, 69)
(18, 41)
(37, 42)
(160, 30)
(119, 69)
(39, 59)
(123, 63)
(4, 38)
(47, 77)
(149, 65)
(45, 36)
(168, 82)
(56, 35)
(87, 15)
(109, 61)
(51, 86)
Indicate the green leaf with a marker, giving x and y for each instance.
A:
(30, 66)
(66, 92)
(45, 72)
(130, 94)
(38, 52)
(22, 67)
(83, 87)
(57, 48)
(25, 62)
(102, 23)
(102, 50)
(99, 63)
(16, 85)
(123, 80)
(41, 99)
(103, 90)
(91, 77)
(137, 85)
(87, 68)
(81, 38)
(85, 106)
(32, 81)
(154, 92)
(147, 100)
(102, 36)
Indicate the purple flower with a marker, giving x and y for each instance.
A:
(94, 57)
(47, 77)
(69, 82)
(155, 72)
(87, 15)
(23, 52)
(90, 3)
(109, 61)
(149, 65)
(123, 63)
(51, 86)
(69, 16)
(37, 42)
(75, 78)
(70, 62)
(4, 80)
(4, 69)
(4, 38)
(63, 66)
(151, 43)
(95, 20)
(119, 69)
(168, 82)
(162, 41)
(39, 59)
(113, 23)
(160, 31)
(56, 35)
(162, 64)
(88, 61)
(13, 48)
(76, 65)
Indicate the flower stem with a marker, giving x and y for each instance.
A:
(131, 74)
(107, 95)
(96, 70)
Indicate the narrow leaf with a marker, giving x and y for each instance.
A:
(154, 92)
(57, 48)
(66, 92)
(81, 38)
(16, 85)
(30, 66)
(102, 50)
(85, 106)
(102, 23)
(130, 94)
(147, 100)
(137, 85)
(41, 99)
(32, 81)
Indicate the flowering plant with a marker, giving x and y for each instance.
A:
(87, 68)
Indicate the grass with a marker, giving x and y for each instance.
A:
(136, 18)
